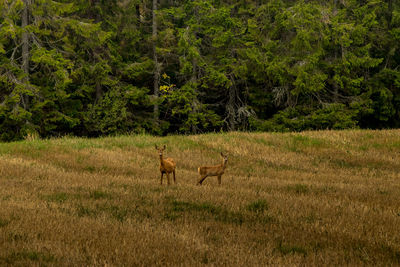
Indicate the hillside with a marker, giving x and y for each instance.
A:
(312, 198)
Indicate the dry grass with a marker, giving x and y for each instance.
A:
(314, 198)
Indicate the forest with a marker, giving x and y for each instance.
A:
(108, 67)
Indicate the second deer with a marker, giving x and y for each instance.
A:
(217, 170)
(167, 165)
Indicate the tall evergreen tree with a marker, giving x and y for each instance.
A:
(108, 67)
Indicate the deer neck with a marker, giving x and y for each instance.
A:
(223, 165)
(161, 160)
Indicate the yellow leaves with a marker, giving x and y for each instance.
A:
(167, 88)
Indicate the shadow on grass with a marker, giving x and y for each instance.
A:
(207, 211)
(298, 188)
(286, 249)
(204, 211)
(27, 255)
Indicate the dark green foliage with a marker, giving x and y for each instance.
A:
(114, 113)
(225, 65)
(332, 116)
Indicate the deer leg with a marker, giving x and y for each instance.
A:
(202, 179)
(174, 176)
(219, 179)
(162, 173)
(168, 177)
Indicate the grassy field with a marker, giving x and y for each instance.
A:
(313, 198)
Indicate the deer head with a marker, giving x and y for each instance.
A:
(224, 157)
(160, 150)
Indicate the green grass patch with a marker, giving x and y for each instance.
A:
(262, 163)
(368, 136)
(118, 213)
(84, 211)
(31, 149)
(185, 143)
(97, 194)
(262, 141)
(7, 148)
(59, 197)
(286, 249)
(205, 211)
(128, 141)
(298, 188)
(77, 143)
(377, 145)
(391, 252)
(189, 206)
(17, 237)
(326, 189)
(6, 197)
(3, 222)
(297, 143)
(90, 169)
(395, 145)
(115, 211)
(35, 256)
(344, 164)
(256, 140)
(258, 206)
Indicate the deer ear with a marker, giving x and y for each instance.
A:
(222, 154)
(156, 147)
(164, 146)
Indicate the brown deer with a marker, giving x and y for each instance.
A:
(217, 170)
(166, 165)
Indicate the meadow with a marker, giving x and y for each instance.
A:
(311, 198)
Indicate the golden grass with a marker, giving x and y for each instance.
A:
(312, 198)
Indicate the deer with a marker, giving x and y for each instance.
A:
(166, 165)
(216, 170)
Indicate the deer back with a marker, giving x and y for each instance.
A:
(211, 170)
(167, 165)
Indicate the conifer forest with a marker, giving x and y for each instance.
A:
(108, 67)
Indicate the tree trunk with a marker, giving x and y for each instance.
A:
(231, 108)
(137, 7)
(156, 64)
(195, 102)
(99, 92)
(25, 48)
(390, 14)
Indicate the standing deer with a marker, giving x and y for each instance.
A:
(166, 165)
(217, 170)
